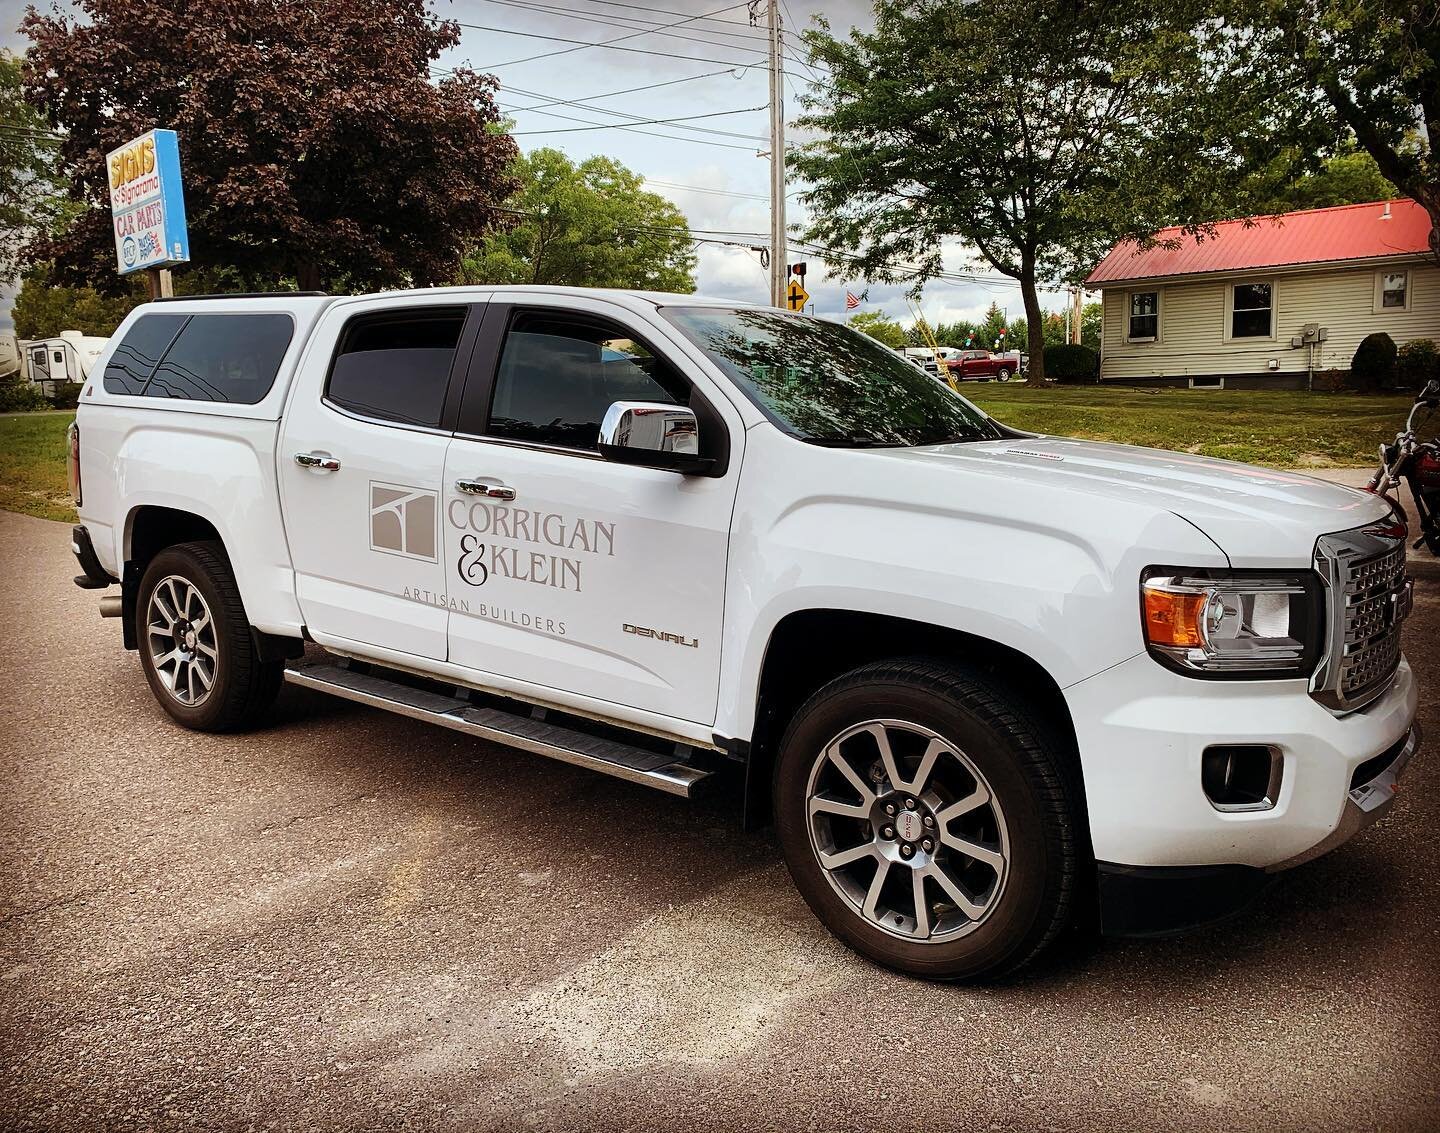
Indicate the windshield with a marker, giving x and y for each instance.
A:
(830, 385)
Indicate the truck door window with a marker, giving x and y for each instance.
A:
(227, 357)
(395, 366)
(559, 373)
(139, 352)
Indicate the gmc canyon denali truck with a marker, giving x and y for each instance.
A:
(985, 681)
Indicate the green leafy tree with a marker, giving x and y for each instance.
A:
(1038, 133)
(882, 329)
(32, 199)
(1092, 316)
(586, 225)
(1349, 177)
(313, 143)
(1335, 69)
(43, 309)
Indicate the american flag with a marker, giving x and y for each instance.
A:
(851, 300)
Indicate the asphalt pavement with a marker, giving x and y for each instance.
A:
(350, 919)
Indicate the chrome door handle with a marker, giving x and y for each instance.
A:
(489, 491)
(317, 460)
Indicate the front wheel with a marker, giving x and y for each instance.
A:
(195, 644)
(927, 819)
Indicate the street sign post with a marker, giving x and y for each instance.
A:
(796, 296)
(147, 207)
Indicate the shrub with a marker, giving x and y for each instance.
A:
(21, 397)
(67, 395)
(1071, 363)
(1417, 362)
(1373, 366)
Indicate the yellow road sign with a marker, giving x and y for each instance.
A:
(796, 296)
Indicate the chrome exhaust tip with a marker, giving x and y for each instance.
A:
(111, 606)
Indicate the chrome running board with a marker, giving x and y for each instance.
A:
(666, 771)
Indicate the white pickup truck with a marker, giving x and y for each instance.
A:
(986, 682)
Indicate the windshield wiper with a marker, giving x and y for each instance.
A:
(850, 442)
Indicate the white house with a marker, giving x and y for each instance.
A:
(1266, 300)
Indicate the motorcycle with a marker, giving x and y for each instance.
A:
(1417, 463)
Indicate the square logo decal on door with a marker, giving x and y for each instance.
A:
(403, 521)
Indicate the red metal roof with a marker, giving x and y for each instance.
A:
(1313, 236)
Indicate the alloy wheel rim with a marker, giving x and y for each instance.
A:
(180, 634)
(907, 830)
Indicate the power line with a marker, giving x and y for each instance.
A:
(641, 122)
(632, 24)
(639, 119)
(704, 189)
(580, 44)
(632, 128)
(580, 102)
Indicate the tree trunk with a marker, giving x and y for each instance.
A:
(1035, 328)
(307, 276)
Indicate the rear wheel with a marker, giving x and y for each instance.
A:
(195, 644)
(1002, 374)
(926, 819)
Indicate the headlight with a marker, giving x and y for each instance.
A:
(1232, 623)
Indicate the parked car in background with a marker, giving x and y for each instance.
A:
(982, 366)
(924, 357)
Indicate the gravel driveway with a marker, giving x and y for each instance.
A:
(350, 919)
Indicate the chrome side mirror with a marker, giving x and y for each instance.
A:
(654, 435)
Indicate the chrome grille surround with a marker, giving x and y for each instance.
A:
(1367, 598)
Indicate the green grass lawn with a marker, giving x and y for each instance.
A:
(32, 465)
(1280, 428)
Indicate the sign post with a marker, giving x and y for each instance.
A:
(147, 208)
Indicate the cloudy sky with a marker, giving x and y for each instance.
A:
(717, 179)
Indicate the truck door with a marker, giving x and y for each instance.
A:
(361, 459)
(564, 570)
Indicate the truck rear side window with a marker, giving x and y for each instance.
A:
(396, 366)
(135, 359)
(230, 358)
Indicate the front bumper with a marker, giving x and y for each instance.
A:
(1141, 731)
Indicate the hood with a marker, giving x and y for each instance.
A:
(1257, 516)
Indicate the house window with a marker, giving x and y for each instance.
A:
(1251, 309)
(1144, 316)
(1392, 291)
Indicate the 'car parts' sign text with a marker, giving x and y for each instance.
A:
(146, 203)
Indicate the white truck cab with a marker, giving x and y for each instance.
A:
(982, 680)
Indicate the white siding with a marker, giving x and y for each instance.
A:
(1193, 323)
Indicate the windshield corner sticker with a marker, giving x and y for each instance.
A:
(403, 521)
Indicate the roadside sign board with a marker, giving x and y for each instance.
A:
(147, 205)
(796, 296)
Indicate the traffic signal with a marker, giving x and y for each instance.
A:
(798, 269)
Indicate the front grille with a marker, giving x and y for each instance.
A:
(1364, 571)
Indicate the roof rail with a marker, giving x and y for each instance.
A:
(246, 295)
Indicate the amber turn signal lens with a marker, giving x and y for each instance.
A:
(1171, 618)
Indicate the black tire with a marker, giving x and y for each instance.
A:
(1028, 775)
(243, 686)
(1002, 374)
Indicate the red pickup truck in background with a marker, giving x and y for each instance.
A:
(981, 366)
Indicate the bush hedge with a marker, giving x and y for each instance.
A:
(21, 397)
(1373, 366)
(1417, 362)
(1071, 363)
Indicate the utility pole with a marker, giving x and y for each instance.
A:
(1075, 322)
(779, 250)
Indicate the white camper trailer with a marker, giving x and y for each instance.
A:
(9, 357)
(51, 362)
